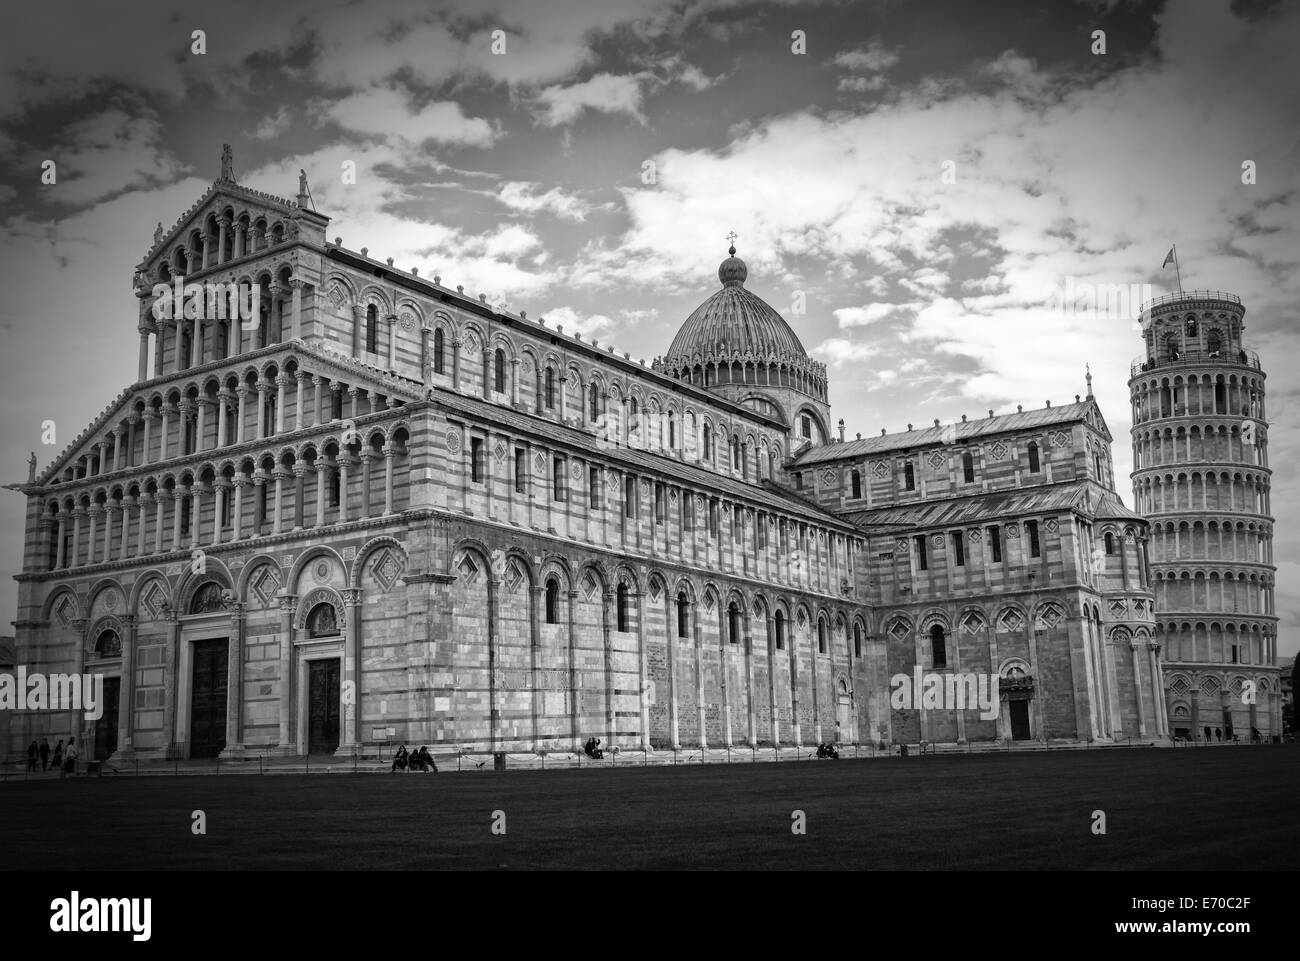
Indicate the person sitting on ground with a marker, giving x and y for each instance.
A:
(400, 759)
(426, 761)
(596, 752)
(589, 748)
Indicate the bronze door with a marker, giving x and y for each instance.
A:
(208, 699)
(106, 725)
(1019, 720)
(323, 707)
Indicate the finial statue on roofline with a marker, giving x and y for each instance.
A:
(1088, 377)
(227, 163)
(31, 468)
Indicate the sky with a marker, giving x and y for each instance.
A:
(913, 185)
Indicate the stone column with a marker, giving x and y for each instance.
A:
(241, 393)
(295, 326)
(196, 512)
(366, 457)
(388, 480)
(279, 473)
(350, 689)
(455, 365)
(77, 514)
(288, 604)
(239, 482)
(605, 599)
(1137, 686)
(771, 679)
(697, 635)
(234, 748)
(322, 478)
(262, 427)
(281, 382)
(220, 486)
(223, 226)
(61, 560)
(299, 493)
(392, 340)
(343, 487)
(316, 418)
(145, 500)
(300, 410)
(148, 416)
(223, 398)
(488, 373)
(160, 507)
(200, 423)
(241, 240)
(171, 689)
(127, 503)
(358, 318)
(143, 370)
(126, 692)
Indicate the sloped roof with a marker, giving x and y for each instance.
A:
(767, 496)
(957, 511)
(952, 433)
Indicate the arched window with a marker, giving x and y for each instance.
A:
(857, 484)
(108, 644)
(439, 344)
(207, 599)
(909, 477)
(622, 612)
(1214, 342)
(594, 408)
(821, 637)
(499, 372)
(778, 621)
(938, 646)
(550, 388)
(733, 623)
(708, 443)
(552, 601)
(322, 621)
(968, 467)
(1192, 330)
(672, 431)
(1033, 457)
(683, 615)
(735, 453)
(857, 640)
(372, 329)
(1110, 543)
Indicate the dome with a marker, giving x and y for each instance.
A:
(734, 322)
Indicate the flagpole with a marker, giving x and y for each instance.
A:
(1177, 271)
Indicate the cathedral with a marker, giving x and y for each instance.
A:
(367, 508)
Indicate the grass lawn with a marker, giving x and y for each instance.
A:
(1202, 809)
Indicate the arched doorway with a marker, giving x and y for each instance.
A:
(322, 683)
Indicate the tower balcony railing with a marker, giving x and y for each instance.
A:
(1184, 295)
(1189, 358)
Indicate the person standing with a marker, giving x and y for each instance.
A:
(32, 751)
(57, 760)
(45, 754)
(70, 764)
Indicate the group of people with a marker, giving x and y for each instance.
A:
(592, 748)
(828, 750)
(420, 760)
(63, 758)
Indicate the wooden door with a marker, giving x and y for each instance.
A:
(323, 706)
(208, 699)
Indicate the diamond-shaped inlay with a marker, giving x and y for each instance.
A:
(539, 462)
(898, 629)
(937, 460)
(64, 611)
(612, 481)
(337, 294)
(1010, 621)
(514, 577)
(672, 496)
(386, 569)
(880, 469)
(1049, 615)
(654, 591)
(828, 477)
(709, 601)
(1139, 607)
(468, 569)
(998, 450)
(972, 623)
(1118, 608)
(590, 586)
(154, 599)
(900, 544)
(500, 450)
(1050, 524)
(1180, 687)
(1061, 439)
(973, 535)
(1210, 685)
(265, 583)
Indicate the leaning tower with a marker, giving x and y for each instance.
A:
(1201, 475)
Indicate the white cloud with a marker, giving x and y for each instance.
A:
(871, 313)
(873, 58)
(530, 198)
(386, 113)
(604, 93)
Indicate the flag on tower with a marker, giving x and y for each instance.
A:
(1169, 259)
